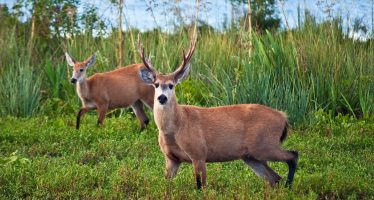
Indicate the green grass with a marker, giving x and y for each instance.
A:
(45, 157)
(298, 71)
(305, 72)
(19, 91)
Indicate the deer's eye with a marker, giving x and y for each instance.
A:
(81, 69)
(171, 86)
(156, 85)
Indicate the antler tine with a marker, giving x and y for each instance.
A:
(146, 62)
(191, 50)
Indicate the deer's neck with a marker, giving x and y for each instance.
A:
(167, 117)
(82, 88)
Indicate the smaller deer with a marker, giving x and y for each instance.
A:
(196, 135)
(119, 88)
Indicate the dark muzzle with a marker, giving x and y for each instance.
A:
(162, 99)
(73, 80)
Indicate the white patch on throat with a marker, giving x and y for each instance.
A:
(82, 79)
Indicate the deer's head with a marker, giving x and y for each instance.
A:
(165, 83)
(79, 68)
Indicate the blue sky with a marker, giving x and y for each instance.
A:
(216, 12)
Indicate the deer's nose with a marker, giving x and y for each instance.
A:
(73, 80)
(162, 99)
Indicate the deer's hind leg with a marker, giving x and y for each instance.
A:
(102, 110)
(289, 157)
(172, 167)
(292, 165)
(262, 170)
(138, 108)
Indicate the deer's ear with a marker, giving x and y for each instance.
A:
(69, 59)
(91, 60)
(147, 76)
(181, 74)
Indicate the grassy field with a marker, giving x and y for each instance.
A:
(316, 74)
(44, 157)
(300, 71)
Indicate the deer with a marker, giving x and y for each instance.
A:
(103, 91)
(200, 135)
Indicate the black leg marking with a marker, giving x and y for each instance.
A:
(292, 164)
(99, 123)
(198, 181)
(142, 127)
(79, 119)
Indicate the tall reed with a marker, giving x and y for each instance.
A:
(298, 71)
(19, 91)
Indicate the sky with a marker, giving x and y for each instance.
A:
(216, 12)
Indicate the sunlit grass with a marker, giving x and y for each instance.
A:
(53, 160)
(298, 72)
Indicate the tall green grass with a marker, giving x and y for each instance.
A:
(55, 77)
(299, 71)
(19, 91)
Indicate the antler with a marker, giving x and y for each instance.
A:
(187, 58)
(146, 61)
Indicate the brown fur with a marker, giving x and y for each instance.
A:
(119, 88)
(197, 135)
(218, 134)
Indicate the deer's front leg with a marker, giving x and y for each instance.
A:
(79, 115)
(171, 169)
(200, 173)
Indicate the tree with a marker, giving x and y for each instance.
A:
(52, 18)
(263, 14)
(91, 21)
(7, 18)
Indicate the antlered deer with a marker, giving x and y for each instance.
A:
(197, 135)
(104, 91)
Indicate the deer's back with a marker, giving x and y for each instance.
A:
(230, 132)
(121, 87)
